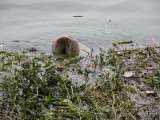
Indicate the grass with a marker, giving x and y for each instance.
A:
(94, 87)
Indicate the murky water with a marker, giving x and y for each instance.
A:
(40, 21)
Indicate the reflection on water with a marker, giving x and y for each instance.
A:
(40, 21)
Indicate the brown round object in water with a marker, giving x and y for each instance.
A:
(66, 45)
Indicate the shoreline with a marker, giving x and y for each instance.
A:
(115, 84)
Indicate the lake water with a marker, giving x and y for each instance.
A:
(39, 21)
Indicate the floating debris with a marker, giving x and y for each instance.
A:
(16, 41)
(20, 41)
(78, 16)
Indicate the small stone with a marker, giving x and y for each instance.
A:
(120, 53)
(129, 74)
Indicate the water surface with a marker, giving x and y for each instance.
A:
(40, 21)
